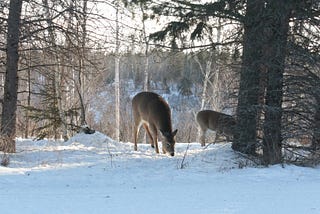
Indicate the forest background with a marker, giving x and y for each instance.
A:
(80, 62)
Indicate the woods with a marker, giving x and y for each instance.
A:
(69, 63)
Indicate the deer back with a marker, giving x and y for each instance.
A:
(152, 109)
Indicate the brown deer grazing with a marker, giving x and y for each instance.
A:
(153, 112)
(222, 124)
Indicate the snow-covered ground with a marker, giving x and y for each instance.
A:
(94, 174)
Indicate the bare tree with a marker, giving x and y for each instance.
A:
(117, 75)
(207, 73)
(146, 84)
(82, 57)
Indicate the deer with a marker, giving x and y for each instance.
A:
(222, 124)
(152, 112)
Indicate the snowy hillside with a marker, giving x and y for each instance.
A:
(94, 174)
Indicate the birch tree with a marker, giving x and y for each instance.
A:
(142, 37)
(117, 74)
(146, 84)
(212, 70)
(207, 73)
(81, 61)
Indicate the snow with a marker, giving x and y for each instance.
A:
(95, 174)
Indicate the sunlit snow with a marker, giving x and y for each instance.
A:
(95, 174)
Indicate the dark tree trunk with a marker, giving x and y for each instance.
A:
(8, 120)
(316, 128)
(276, 30)
(246, 131)
(265, 39)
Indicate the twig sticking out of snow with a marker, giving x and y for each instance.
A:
(183, 164)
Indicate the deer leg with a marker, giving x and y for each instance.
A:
(135, 139)
(154, 131)
(149, 134)
(216, 137)
(135, 135)
(203, 137)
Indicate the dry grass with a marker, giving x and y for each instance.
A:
(5, 160)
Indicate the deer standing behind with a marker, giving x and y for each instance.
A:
(222, 124)
(153, 112)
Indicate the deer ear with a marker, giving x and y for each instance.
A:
(164, 133)
(174, 132)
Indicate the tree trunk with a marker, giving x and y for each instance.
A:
(82, 56)
(146, 84)
(274, 57)
(117, 78)
(316, 129)
(245, 133)
(207, 72)
(26, 133)
(8, 119)
(316, 120)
